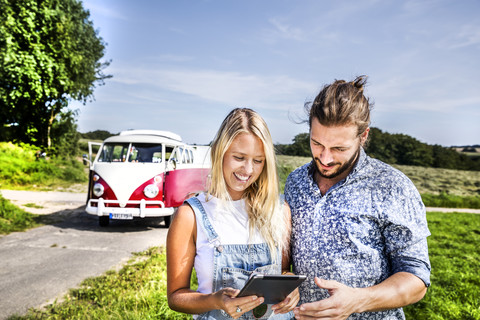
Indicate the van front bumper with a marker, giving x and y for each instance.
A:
(140, 210)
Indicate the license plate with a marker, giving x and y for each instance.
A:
(121, 216)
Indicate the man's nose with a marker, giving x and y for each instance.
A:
(326, 156)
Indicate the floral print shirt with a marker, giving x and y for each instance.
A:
(364, 229)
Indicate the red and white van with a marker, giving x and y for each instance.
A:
(144, 173)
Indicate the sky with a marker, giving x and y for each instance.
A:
(182, 66)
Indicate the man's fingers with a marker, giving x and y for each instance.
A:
(326, 284)
(314, 310)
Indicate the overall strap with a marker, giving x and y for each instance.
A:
(199, 210)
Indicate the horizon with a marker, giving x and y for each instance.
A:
(454, 146)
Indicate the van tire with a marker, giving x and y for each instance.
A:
(167, 221)
(103, 221)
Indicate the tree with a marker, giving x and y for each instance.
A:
(64, 133)
(49, 55)
(97, 135)
(299, 147)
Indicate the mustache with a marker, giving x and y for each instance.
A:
(326, 165)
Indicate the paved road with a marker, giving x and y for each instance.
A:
(40, 265)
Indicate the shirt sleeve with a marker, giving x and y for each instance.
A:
(405, 230)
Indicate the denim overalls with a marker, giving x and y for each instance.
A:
(233, 264)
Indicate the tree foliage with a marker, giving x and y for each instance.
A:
(97, 135)
(49, 55)
(299, 147)
(396, 149)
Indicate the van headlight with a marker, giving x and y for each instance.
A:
(151, 191)
(98, 189)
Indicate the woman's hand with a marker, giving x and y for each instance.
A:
(233, 306)
(288, 304)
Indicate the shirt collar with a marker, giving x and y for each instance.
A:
(360, 163)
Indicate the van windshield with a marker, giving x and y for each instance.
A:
(135, 152)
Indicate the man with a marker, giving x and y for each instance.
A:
(359, 226)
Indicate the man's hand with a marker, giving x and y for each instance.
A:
(343, 301)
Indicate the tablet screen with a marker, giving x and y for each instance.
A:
(274, 288)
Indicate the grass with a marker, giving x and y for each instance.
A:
(21, 170)
(455, 259)
(138, 290)
(14, 219)
(438, 181)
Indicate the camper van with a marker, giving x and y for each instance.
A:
(144, 173)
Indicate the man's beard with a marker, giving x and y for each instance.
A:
(348, 165)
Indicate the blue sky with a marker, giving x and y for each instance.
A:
(183, 65)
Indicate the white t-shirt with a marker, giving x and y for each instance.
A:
(231, 228)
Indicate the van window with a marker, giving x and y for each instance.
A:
(180, 156)
(113, 152)
(168, 153)
(145, 153)
(188, 158)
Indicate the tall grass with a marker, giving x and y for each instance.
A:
(21, 169)
(138, 291)
(438, 187)
(14, 219)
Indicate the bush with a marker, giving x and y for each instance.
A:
(22, 167)
(13, 218)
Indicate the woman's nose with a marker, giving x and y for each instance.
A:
(248, 167)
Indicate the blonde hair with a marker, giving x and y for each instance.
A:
(262, 198)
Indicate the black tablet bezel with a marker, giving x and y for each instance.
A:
(273, 288)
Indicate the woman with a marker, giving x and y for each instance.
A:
(238, 227)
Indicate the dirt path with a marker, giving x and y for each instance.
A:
(430, 209)
(45, 202)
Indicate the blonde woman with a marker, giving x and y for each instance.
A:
(239, 226)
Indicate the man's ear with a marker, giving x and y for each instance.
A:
(364, 136)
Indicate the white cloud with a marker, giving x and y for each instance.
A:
(230, 88)
(467, 35)
(284, 30)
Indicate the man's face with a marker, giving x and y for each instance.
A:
(335, 149)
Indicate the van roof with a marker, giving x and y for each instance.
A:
(146, 136)
(166, 134)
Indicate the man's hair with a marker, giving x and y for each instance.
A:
(341, 103)
(263, 205)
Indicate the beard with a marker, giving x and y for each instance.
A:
(346, 166)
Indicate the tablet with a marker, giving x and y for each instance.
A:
(273, 288)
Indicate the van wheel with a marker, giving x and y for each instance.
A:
(167, 221)
(103, 221)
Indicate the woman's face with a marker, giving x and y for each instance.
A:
(242, 163)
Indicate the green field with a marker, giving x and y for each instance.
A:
(438, 187)
(138, 290)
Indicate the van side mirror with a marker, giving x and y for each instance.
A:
(86, 161)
